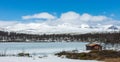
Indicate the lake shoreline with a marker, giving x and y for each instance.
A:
(103, 55)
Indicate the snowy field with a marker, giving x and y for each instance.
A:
(50, 58)
(40, 52)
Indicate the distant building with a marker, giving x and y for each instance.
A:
(93, 47)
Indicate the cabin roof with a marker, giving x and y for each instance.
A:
(92, 45)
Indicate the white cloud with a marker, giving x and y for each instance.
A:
(68, 17)
(85, 17)
(76, 18)
(72, 18)
(43, 15)
(99, 18)
(67, 22)
(88, 17)
(7, 23)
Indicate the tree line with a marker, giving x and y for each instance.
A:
(107, 37)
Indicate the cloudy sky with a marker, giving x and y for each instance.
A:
(57, 12)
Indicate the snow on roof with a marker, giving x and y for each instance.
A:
(92, 44)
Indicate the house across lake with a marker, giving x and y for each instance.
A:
(93, 47)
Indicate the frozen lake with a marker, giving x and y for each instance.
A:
(41, 48)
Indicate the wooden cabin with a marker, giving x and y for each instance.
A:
(93, 47)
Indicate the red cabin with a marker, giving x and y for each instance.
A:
(93, 47)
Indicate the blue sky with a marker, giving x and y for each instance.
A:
(15, 9)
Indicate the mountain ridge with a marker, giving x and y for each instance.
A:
(59, 29)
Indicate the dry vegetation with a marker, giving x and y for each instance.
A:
(112, 60)
(92, 55)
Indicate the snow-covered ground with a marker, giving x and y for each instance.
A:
(40, 52)
(50, 58)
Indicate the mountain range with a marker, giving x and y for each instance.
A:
(36, 28)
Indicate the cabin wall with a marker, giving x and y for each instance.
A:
(93, 48)
(88, 48)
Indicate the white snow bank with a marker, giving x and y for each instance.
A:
(50, 58)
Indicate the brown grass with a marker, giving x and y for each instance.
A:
(93, 55)
(112, 60)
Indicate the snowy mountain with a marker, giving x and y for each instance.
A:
(36, 28)
(113, 27)
(2, 29)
